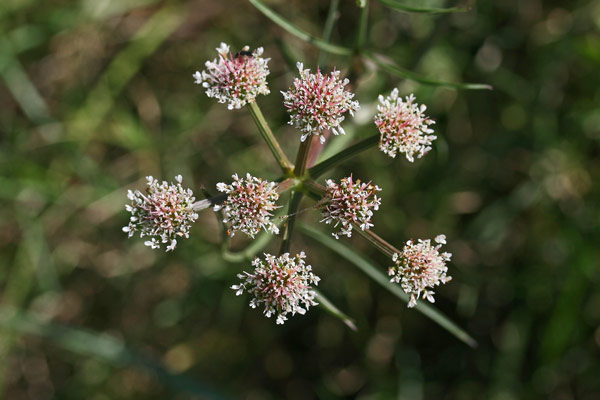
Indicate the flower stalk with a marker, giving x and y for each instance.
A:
(343, 155)
(289, 224)
(302, 157)
(284, 163)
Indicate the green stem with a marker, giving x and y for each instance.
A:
(317, 191)
(328, 29)
(374, 272)
(299, 33)
(314, 190)
(289, 225)
(267, 134)
(302, 156)
(377, 241)
(361, 38)
(407, 74)
(329, 306)
(332, 161)
(249, 252)
(423, 10)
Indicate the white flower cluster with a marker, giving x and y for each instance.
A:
(420, 267)
(235, 79)
(282, 284)
(164, 212)
(317, 102)
(350, 202)
(404, 127)
(249, 205)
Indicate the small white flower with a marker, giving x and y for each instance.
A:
(420, 267)
(165, 212)
(249, 205)
(235, 79)
(403, 126)
(282, 284)
(317, 102)
(350, 202)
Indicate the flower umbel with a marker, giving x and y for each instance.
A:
(235, 79)
(420, 267)
(350, 202)
(165, 212)
(316, 102)
(404, 127)
(281, 283)
(249, 205)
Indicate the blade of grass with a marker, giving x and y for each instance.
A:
(336, 312)
(369, 268)
(421, 10)
(404, 73)
(21, 87)
(299, 33)
(38, 250)
(15, 293)
(99, 345)
(122, 68)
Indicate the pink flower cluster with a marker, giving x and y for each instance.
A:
(350, 202)
(249, 205)
(282, 284)
(317, 102)
(235, 79)
(164, 212)
(404, 127)
(420, 267)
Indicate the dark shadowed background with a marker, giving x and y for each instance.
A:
(95, 95)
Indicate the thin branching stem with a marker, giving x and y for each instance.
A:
(390, 67)
(343, 155)
(317, 191)
(302, 157)
(374, 272)
(332, 15)
(291, 219)
(361, 37)
(267, 134)
(332, 308)
(299, 33)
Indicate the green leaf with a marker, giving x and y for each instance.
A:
(299, 33)
(422, 10)
(404, 73)
(101, 346)
(369, 268)
(343, 155)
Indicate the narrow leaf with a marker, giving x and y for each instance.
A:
(329, 306)
(404, 73)
(421, 10)
(369, 268)
(299, 33)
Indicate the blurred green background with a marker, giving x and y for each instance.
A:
(95, 95)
